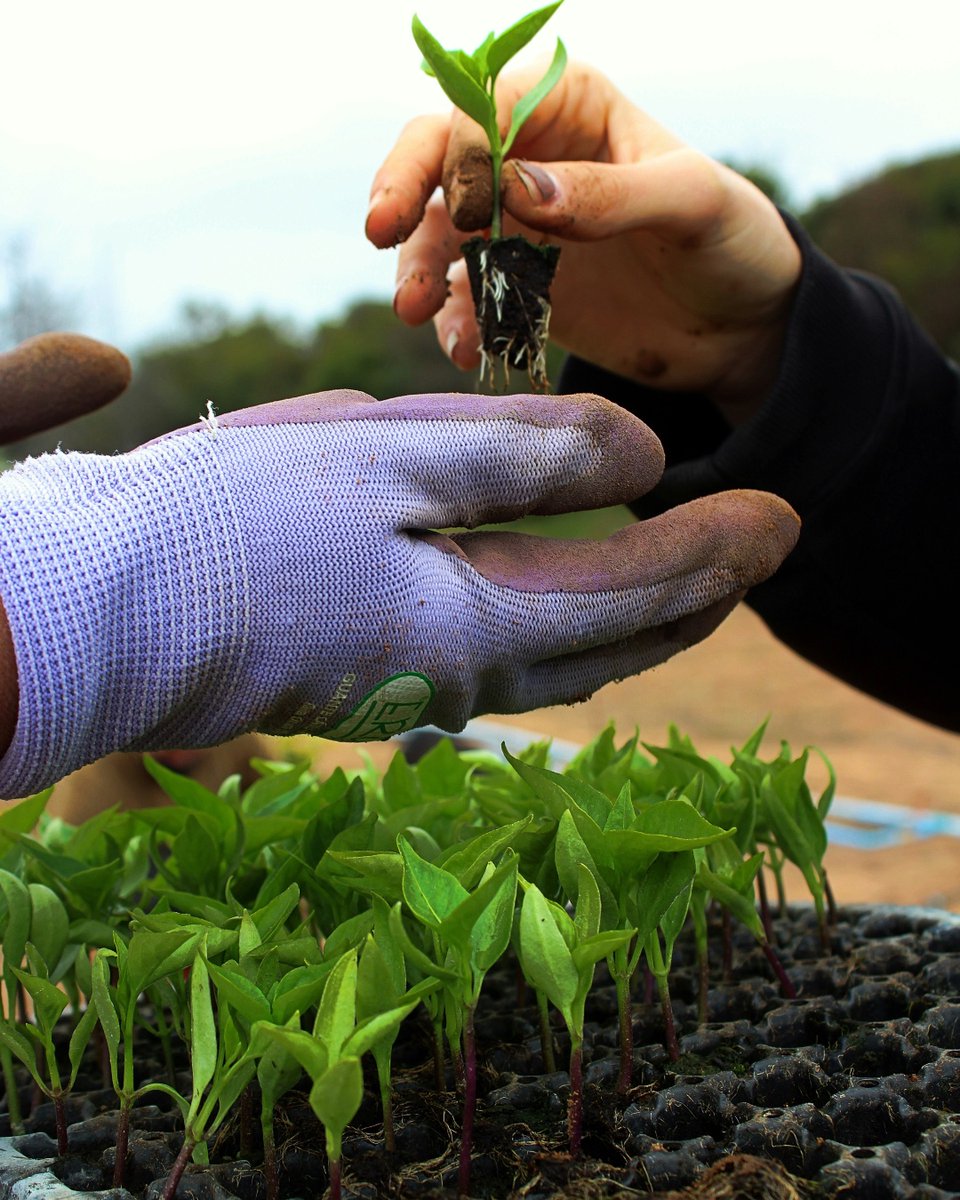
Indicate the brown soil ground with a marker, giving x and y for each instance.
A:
(720, 691)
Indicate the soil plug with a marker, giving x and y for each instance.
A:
(510, 277)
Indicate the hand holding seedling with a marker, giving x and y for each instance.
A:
(277, 569)
(675, 272)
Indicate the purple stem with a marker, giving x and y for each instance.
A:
(831, 900)
(246, 1123)
(60, 1116)
(334, 1166)
(270, 1161)
(625, 1078)
(123, 1138)
(765, 915)
(469, 1102)
(669, 1025)
(575, 1103)
(177, 1170)
(786, 986)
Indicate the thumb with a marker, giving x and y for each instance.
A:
(673, 193)
(55, 377)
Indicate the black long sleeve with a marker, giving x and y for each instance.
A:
(861, 434)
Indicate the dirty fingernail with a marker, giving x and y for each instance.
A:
(401, 284)
(540, 185)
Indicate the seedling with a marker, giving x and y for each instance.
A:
(559, 956)
(298, 950)
(470, 930)
(510, 278)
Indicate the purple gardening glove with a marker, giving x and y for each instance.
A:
(275, 569)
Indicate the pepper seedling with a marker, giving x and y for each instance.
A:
(510, 278)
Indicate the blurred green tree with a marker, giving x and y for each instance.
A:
(903, 225)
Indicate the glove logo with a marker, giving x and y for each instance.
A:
(392, 707)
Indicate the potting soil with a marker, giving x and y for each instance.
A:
(851, 1090)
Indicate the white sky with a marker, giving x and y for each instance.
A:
(224, 151)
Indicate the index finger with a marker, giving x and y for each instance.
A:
(407, 179)
(54, 377)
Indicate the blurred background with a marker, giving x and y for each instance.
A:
(190, 183)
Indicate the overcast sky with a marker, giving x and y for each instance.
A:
(224, 151)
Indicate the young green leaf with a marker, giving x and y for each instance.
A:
(547, 961)
(203, 1027)
(527, 103)
(459, 84)
(430, 892)
(500, 50)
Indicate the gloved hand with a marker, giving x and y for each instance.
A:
(277, 569)
(54, 377)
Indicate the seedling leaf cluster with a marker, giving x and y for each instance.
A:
(334, 910)
(510, 278)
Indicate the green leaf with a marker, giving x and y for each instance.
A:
(271, 916)
(203, 1027)
(337, 1095)
(188, 793)
(376, 988)
(15, 920)
(430, 892)
(589, 909)
(151, 956)
(742, 907)
(546, 961)
(377, 1029)
(347, 935)
(658, 887)
(249, 937)
(196, 854)
(491, 931)
(381, 871)
(277, 1072)
(337, 1014)
(499, 52)
(299, 990)
(526, 104)
(79, 1039)
(414, 954)
(106, 1011)
(674, 824)
(235, 990)
(460, 927)
(49, 1001)
(306, 1050)
(459, 84)
(13, 1040)
(601, 945)
(346, 810)
(571, 850)
(466, 861)
(623, 814)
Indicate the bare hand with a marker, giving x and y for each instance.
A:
(676, 272)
